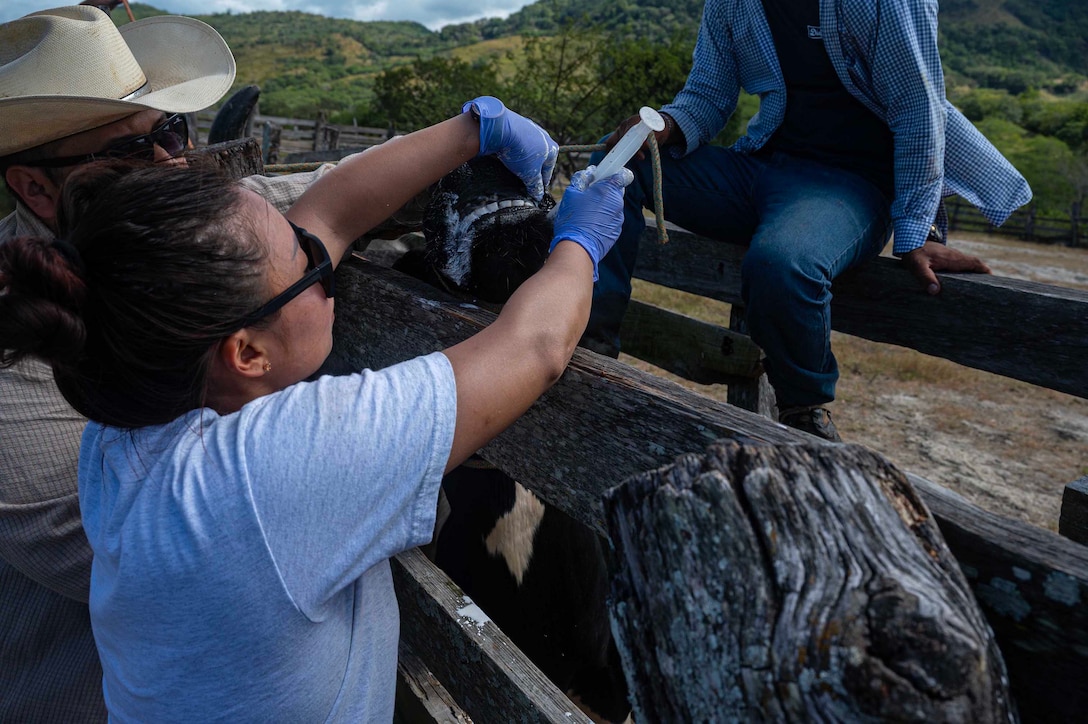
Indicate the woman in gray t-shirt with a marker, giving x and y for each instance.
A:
(242, 519)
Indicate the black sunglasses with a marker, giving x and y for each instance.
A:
(172, 136)
(318, 269)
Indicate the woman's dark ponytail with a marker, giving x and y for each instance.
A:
(154, 266)
(41, 302)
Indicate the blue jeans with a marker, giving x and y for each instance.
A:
(804, 223)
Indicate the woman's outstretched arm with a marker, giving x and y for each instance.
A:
(504, 368)
(366, 189)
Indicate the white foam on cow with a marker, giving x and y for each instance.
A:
(458, 245)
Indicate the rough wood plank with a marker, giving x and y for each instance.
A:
(695, 350)
(1073, 521)
(811, 584)
(605, 421)
(1033, 587)
(238, 158)
(986, 322)
(421, 698)
(480, 667)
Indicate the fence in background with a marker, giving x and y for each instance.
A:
(292, 140)
(1026, 223)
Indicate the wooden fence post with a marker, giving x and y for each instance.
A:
(794, 583)
(270, 143)
(238, 158)
(326, 137)
(1029, 223)
(755, 394)
(1074, 217)
(1073, 520)
(319, 128)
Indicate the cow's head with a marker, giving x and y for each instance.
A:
(485, 235)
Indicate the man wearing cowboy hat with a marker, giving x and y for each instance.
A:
(73, 88)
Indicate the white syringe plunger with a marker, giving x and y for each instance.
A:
(629, 144)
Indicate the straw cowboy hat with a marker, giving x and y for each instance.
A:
(70, 69)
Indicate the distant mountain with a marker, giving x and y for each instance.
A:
(1011, 44)
(1016, 44)
(649, 20)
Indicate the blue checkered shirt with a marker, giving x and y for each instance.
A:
(885, 54)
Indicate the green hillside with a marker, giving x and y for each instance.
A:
(1016, 44)
(304, 62)
(647, 20)
(1011, 44)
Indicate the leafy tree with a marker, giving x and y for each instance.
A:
(430, 90)
(1063, 119)
(642, 74)
(1041, 160)
(558, 81)
(990, 103)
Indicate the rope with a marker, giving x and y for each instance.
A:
(659, 203)
(655, 163)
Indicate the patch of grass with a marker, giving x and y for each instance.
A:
(708, 310)
(875, 361)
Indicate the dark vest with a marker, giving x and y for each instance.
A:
(823, 122)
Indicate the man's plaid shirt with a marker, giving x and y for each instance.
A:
(885, 54)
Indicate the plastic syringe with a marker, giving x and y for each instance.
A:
(629, 144)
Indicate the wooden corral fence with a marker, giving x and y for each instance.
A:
(298, 140)
(605, 422)
(1026, 223)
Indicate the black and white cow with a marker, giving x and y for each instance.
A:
(541, 576)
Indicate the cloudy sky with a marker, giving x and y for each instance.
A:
(432, 13)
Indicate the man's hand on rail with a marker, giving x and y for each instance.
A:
(934, 257)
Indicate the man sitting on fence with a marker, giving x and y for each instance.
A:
(853, 139)
(74, 88)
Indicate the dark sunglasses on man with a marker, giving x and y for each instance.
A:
(318, 269)
(172, 136)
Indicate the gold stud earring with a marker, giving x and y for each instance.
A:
(267, 366)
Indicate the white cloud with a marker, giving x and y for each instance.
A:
(432, 13)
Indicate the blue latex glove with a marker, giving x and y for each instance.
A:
(592, 216)
(526, 148)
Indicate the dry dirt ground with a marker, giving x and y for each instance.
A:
(1007, 446)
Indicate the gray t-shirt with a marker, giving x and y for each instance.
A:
(241, 562)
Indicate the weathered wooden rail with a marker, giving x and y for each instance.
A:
(1025, 330)
(605, 421)
(299, 139)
